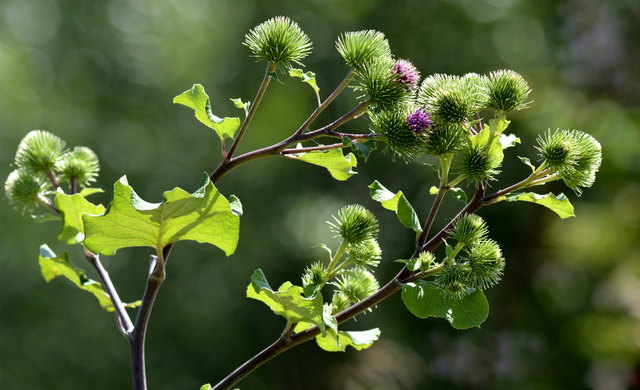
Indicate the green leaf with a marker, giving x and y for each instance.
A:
(206, 387)
(287, 301)
(334, 341)
(197, 99)
(527, 162)
(90, 191)
(433, 190)
(52, 266)
(499, 124)
(72, 208)
(559, 204)
(396, 203)
(363, 149)
(204, 216)
(339, 165)
(487, 139)
(307, 77)
(448, 249)
(508, 140)
(337, 341)
(413, 264)
(236, 205)
(424, 299)
(459, 194)
(241, 105)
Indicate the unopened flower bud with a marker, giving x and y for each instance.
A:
(355, 224)
(361, 47)
(39, 151)
(447, 98)
(81, 164)
(453, 281)
(25, 189)
(279, 40)
(469, 229)
(508, 90)
(486, 263)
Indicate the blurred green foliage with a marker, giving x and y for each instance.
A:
(103, 74)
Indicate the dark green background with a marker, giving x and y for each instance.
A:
(103, 74)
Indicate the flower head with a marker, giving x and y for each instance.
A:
(486, 264)
(380, 85)
(366, 254)
(469, 229)
(279, 40)
(419, 121)
(508, 90)
(406, 74)
(80, 164)
(355, 224)
(39, 151)
(450, 99)
(479, 163)
(576, 156)
(444, 138)
(353, 286)
(25, 189)
(454, 281)
(361, 47)
(393, 125)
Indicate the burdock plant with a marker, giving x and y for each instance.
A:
(457, 122)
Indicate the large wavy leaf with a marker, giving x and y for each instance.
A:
(204, 216)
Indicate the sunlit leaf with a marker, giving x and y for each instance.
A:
(459, 194)
(241, 105)
(307, 77)
(508, 140)
(396, 203)
(339, 165)
(527, 162)
(486, 139)
(204, 216)
(424, 299)
(236, 205)
(288, 301)
(90, 191)
(339, 341)
(52, 266)
(197, 99)
(413, 264)
(559, 204)
(448, 249)
(72, 208)
(499, 124)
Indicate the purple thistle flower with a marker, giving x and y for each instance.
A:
(406, 74)
(419, 121)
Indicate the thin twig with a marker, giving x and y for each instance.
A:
(137, 337)
(52, 178)
(445, 164)
(327, 131)
(252, 110)
(124, 321)
(326, 102)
